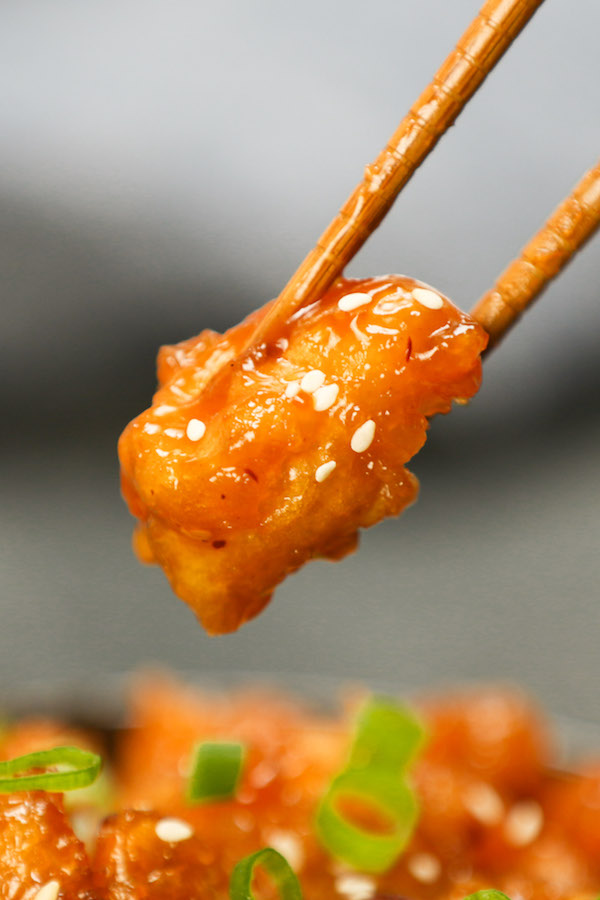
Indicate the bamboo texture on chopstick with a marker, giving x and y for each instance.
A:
(479, 49)
(564, 233)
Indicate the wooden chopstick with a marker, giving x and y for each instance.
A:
(477, 52)
(564, 233)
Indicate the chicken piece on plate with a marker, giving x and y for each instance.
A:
(40, 856)
(238, 480)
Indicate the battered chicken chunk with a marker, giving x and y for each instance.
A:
(238, 480)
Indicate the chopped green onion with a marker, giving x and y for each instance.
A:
(216, 771)
(240, 885)
(388, 794)
(488, 894)
(83, 768)
(388, 736)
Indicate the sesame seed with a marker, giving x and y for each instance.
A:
(163, 410)
(244, 820)
(289, 846)
(48, 891)
(173, 830)
(363, 436)
(356, 887)
(484, 803)
(424, 867)
(262, 774)
(353, 301)
(523, 823)
(195, 429)
(325, 396)
(312, 380)
(174, 432)
(151, 428)
(293, 388)
(428, 298)
(325, 470)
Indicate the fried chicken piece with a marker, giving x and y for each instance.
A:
(143, 856)
(38, 850)
(238, 480)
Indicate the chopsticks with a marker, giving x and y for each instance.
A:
(562, 235)
(477, 52)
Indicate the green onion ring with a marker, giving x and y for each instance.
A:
(216, 771)
(240, 885)
(488, 894)
(366, 850)
(84, 769)
(387, 736)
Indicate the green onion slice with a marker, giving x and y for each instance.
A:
(387, 793)
(488, 894)
(82, 768)
(388, 736)
(240, 885)
(216, 771)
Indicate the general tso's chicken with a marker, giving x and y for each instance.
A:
(240, 478)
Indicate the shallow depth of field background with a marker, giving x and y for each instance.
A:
(164, 167)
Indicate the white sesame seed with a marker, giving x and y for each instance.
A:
(312, 380)
(195, 429)
(48, 891)
(289, 846)
(428, 298)
(352, 301)
(325, 396)
(484, 803)
(325, 470)
(262, 774)
(363, 436)
(356, 887)
(162, 453)
(173, 830)
(523, 823)
(163, 410)
(244, 820)
(293, 388)
(174, 432)
(424, 867)
(151, 428)
(183, 395)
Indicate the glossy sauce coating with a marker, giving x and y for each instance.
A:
(239, 480)
(38, 848)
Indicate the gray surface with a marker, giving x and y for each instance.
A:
(164, 167)
(493, 574)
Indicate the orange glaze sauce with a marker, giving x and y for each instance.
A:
(493, 811)
(239, 480)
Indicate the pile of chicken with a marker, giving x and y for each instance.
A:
(493, 811)
(247, 465)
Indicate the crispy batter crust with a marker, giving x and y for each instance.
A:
(233, 478)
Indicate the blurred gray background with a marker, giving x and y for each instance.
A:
(164, 166)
